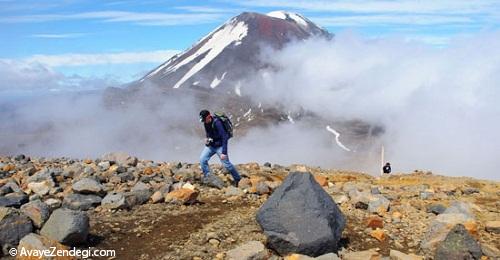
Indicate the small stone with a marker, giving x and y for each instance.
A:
(436, 209)
(121, 158)
(9, 167)
(88, 186)
(375, 191)
(378, 204)
(361, 205)
(147, 171)
(188, 186)
(374, 222)
(245, 183)
(396, 215)
(81, 202)
(493, 226)
(13, 200)
(253, 250)
(490, 251)
(213, 181)
(88, 161)
(104, 165)
(214, 242)
(157, 197)
(396, 255)
(470, 190)
(425, 195)
(340, 199)
(322, 180)
(53, 203)
(140, 186)
(41, 188)
(37, 211)
(233, 191)
(114, 200)
(378, 234)
(262, 188)
(182, 196)
(20, 157)
(362, 255)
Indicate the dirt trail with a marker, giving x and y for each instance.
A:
(152, 231)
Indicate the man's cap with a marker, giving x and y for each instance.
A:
(203, 114)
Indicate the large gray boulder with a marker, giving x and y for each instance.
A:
(458, 213)
(459, 244)
(13, 227)
(88, 186)
(70, 227)
(81, 202)
(300, 217)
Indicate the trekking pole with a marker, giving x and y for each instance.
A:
(382, 161)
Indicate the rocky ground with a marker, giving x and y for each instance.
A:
(157, 210)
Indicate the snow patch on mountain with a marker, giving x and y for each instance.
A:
(247, 113)
(237, 89)
(289, 16)
(217, 81)
(337, 138)
(213, 47)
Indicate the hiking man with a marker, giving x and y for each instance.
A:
(216, 143)
(387, 168)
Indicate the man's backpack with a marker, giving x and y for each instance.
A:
(226, 122)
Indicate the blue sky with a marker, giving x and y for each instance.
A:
(120, 40)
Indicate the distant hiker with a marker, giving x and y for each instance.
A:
(218, 130)
(387, 168)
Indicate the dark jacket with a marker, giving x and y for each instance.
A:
(216, 131)
(387, 169)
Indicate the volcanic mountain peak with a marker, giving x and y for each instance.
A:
(227, 54)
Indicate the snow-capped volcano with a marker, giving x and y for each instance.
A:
(228, 54)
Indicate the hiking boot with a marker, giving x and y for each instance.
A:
(235, 183)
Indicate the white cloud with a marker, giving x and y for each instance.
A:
(139, 18)
(205, 9)
(371, 20)
(78, 59)
(22, 76)
(439, 107)
(58, 36)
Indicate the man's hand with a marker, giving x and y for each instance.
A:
(223, 157)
